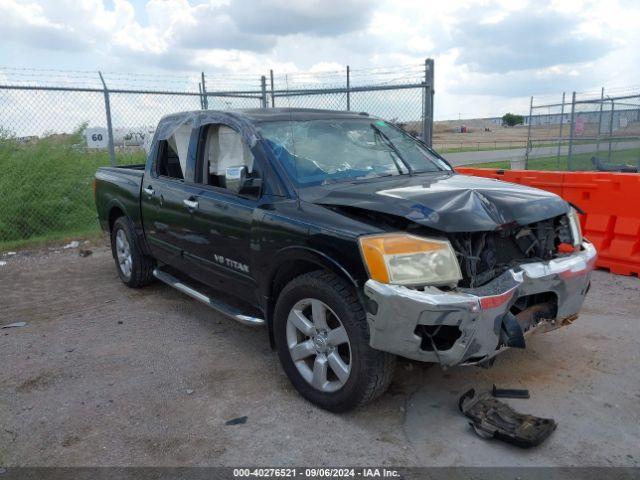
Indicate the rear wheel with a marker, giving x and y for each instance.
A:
(322, 338)
(134, 268)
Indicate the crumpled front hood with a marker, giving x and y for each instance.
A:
(446, 202)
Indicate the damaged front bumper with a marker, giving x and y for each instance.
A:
(469, 326)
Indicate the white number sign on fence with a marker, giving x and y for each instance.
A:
(96, 137)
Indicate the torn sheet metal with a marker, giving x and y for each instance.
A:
(490, 418)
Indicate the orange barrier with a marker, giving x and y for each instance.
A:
(611, 202)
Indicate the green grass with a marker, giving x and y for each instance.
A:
(465, 148)
(579, 162)
(487, 146)
(46, 189)
(93, 234)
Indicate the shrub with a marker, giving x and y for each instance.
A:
(46, 185)
(511, 119)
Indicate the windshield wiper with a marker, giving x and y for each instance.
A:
(390, 144)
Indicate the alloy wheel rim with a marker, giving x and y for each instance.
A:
(319, 345)
(123, 252)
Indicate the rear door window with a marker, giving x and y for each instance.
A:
(172, 154)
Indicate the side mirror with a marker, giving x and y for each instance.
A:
(238, 181)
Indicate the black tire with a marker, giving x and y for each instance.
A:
(371, 370)
(141, 265)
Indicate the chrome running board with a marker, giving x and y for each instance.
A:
(223, 308)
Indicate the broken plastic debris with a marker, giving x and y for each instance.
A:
(189, 391)
(236, 421)
(10, 254)
(490, 418)
(509, 392)
(74, 244)
(15, 325)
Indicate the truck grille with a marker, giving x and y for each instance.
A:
(485, 255)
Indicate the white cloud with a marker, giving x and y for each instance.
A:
(488, 54)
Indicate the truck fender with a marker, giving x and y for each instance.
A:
(289, 263)
(114, 204)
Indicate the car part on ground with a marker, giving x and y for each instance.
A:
(509, 392)
(490, 418)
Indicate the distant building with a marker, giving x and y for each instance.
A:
(621, 117)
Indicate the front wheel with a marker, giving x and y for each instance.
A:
(322, 338)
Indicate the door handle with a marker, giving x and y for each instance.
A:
(149, 190)
(191, 204)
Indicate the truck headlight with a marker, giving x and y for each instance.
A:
(404, 259)
(574, 225)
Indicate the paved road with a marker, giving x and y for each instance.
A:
(106, 375)
(472, 158)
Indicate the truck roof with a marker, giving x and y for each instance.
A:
(279, 114)
(274, 114)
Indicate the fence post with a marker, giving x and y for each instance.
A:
(273, 97)
(560, 133)
(528, 147)
(571, 131)
(107, 109)
(427, 117)
(613, 108)
(201, 97)
(205, 99)
(600, 121)
(348, 89)
(263, 83)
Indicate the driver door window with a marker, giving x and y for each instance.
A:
(224, 148)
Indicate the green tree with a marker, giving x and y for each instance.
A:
(511, 119)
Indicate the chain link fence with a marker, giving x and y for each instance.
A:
(58, 127)
(597, 131)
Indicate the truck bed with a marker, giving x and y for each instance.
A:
(119, 186)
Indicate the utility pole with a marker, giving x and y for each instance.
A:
(263, 83)
(529, 144)
(107, 109)
(348, 89)
(273, 96)
(571, 130)
(205, 100)
(600, 121)
(427, 116)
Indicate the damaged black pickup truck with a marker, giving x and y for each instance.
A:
(350, 240)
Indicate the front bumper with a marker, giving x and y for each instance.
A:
(395, 311)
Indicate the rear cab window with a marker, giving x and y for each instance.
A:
(171, 161)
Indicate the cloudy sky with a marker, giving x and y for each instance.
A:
(490, 55)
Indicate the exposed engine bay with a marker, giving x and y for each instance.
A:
(485, 255)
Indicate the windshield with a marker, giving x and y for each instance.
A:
(315, 152)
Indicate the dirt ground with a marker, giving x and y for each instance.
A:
(105, 375)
